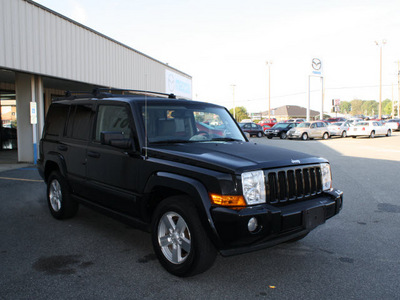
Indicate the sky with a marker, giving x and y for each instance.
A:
(224, 43)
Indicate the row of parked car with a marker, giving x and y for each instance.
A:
(299, 129)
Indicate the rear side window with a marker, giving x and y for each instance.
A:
(79, 122)
(55, 120)
(112, 118)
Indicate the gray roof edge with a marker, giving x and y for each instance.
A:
(102, 35)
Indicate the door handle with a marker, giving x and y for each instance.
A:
(62, 147)
(93, 154)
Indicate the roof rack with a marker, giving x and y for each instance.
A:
(108, 92)
(101, 92)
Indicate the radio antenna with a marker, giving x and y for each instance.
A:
(145, 120)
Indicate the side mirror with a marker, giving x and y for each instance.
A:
(115, 139)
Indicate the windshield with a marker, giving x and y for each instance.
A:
(304, 125)
(190, 123)
(280, 125)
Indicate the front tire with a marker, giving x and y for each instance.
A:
(179, 239)
(325, 136)
(389, 133)
(304, 136)
(344, 134)
(61, 205)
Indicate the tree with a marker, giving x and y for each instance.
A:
(370, 107)
(345, 106)
(387, 107)
(356, 107)
(240, 113)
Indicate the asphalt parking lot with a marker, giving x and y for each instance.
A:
(355, 255)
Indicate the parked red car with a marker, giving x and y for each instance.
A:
(267, 122)
(334, 120)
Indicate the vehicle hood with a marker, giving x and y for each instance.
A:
(232, 157)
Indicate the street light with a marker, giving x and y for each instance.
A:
(269, 63)
(380, 45)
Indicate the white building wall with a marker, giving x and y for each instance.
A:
(34, 39)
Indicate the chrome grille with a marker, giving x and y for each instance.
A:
(291, 184)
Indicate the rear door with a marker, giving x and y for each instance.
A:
(74, 143)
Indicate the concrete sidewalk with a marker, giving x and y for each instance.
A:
(9, 161)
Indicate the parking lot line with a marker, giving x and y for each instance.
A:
(21, 179)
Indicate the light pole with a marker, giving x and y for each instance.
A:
(398, 87)
(233, 94)
(380, 45)
(269, 63)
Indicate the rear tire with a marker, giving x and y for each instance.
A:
(259, 134)
(389, 133)
(179, 239)
(283, 135)
(61, 205)
(372, 135)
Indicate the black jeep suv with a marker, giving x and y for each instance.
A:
(182, 170)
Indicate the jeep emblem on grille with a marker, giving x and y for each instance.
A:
(295, 161)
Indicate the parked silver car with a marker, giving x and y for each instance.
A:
(338, 129)
(309, 130)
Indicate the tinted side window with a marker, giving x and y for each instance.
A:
(79, 122)
(112, 118)
(55, 120)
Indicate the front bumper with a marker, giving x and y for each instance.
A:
(275, 224)
(294, 135)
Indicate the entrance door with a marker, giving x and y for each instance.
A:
(8, 121)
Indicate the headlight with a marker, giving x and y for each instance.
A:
(326, 177)
(253, 185)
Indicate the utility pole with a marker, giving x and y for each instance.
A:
(269, 63)
(380, 45)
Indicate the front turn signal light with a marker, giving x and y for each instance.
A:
(225, 200)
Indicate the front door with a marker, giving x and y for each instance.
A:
(112, 172)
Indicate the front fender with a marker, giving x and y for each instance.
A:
(195, 190)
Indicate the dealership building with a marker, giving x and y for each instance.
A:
(43, 54)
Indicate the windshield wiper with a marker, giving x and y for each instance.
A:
(226, 139)
(171, 142)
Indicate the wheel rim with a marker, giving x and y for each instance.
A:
(325, 136)
(304, 136)
(174, 237)
(344, 134)
(283, 136)
(55, 195)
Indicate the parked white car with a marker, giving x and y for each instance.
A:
(338, 128)
(393, 124)
(369, 128)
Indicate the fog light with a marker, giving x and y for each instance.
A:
(252, 225)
